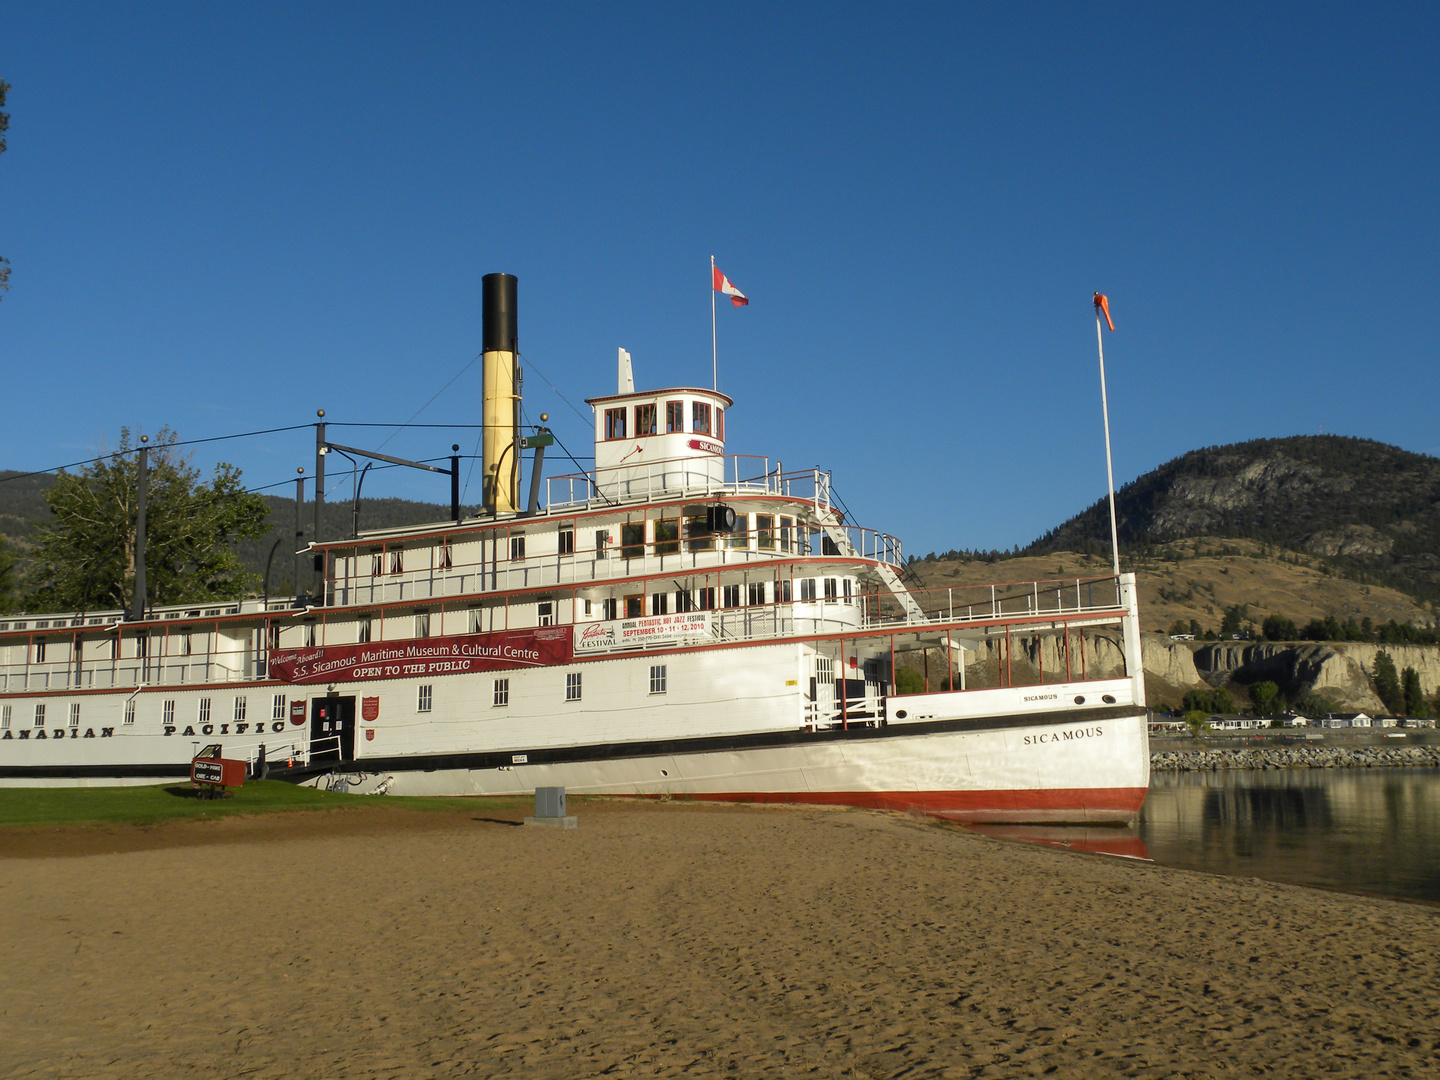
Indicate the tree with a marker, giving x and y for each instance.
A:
(1265, 696)
(1279, 628)
(1387, 682)
(85, 558)
(1411, 693)
(7, 578)
(1230, 623)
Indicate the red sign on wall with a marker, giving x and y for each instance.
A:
(297, 712)
(370, 708)
(424, 657)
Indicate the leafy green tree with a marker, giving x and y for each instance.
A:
(1198, 721)
(1266, 697)
(1230, 623)
(85, 557)
(1387, 682)
(7, 578)
(1208, 701)
(1411, 693)
(1279, 628)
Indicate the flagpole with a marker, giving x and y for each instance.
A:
(1109, 467)
(714, 356)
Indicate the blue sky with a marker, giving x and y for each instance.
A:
(221, 217)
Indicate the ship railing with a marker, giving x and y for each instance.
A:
(680, 478)
(1006, 601)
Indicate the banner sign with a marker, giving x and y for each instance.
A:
(424, 657)
(678, 629)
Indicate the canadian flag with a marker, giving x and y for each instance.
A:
(722, 285)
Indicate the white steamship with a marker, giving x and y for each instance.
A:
(680, 621)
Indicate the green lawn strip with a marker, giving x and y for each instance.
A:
(177, 801)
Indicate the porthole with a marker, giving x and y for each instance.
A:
(1108, 700)
(900, 714)
(1080, 700)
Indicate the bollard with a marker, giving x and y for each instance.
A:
(550, 809)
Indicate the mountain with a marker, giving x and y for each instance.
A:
(1366, 510)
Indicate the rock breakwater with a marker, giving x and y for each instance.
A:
(1295, 757)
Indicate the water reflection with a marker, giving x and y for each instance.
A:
(1361, 830)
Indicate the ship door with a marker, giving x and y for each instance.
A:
(332, 729)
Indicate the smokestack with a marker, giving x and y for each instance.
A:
(501, 414)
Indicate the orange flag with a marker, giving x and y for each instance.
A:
(1102, 306)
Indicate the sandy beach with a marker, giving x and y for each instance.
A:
(681, 940)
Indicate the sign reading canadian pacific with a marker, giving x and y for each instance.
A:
(651, 630)
(423, 657)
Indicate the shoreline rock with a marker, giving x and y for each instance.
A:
(1295, 757)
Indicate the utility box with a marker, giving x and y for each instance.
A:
(214, 773)
(550, 809)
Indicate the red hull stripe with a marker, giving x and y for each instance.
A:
(1054, 804)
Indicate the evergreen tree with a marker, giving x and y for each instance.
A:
(1414, 697)
(85, 557)
(1387, 682)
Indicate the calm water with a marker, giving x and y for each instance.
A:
(1361, 830)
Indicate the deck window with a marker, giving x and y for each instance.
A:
(730, 596)
(697, 536)
(845, 587)
(572, 686)
(634, 606)
(659, 603)
(422, 624)
(129, 712)
(517, 547)
(667, 536)
(632, 539)
(787, 526)
(602, 541)
(74, 714)
(442, 555)
(609, 608)
(277, 708)
(39, 650)
(397, 560)
(502, 692)
(240, 707)
(740, 538)
(830, 591)
(782, 590)
(705, 599)
(658, 678)
(545, 611)
(40, 715)
(204, 714)
(765, 531)
(807, 588)
(674, 416)
(615, 423)
(700, 414)
(756, 591)
(5, 716)
(566, 543)
(363, 635)
(422, 703)
(645, 419)
(377, 563)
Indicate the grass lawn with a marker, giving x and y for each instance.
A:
(177, 801)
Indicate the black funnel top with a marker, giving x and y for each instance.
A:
(499, 326)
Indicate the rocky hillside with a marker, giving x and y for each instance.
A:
(1361, 508)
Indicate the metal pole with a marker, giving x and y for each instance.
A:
(137, 611)
(299, 529)
(1109, 467)
(714, 356)
(319, 498)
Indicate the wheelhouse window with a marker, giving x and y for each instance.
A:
(807, 588)
(615, 423)
(674, 416)
(700, 417)
(719, 422)
(572, 685)
(632, 539)
(645, 419)
(667, 536)
(787, 526)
